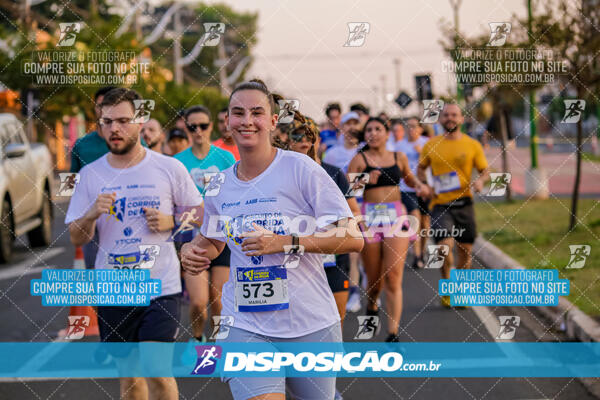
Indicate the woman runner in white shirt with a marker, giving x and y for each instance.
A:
(259, 204)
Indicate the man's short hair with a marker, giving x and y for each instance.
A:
(102, 91)
(332, 106)
(453, 103)
(359, 107)
(223, 110)
(120, 95)
(197, 109)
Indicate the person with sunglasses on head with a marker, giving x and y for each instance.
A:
(202, 158)
(259, 198)
(305, 139)
(385, 230)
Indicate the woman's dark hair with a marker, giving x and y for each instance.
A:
(255, 84)
(364, 130)
(302, 125)
(197, 109)
(332, 106)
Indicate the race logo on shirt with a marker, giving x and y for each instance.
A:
(508, 326)
(144, 258)
(573, 111)
(117, 210)
(214, 31)
(358, 181)
(357, 33)
(68, 181)
(68, 33)
(287, 108)
(499, 32)
(221, 324)
(437, 253)
(367, 326)
(579, 253)
(142, 111)
(498, 184)
(292, 255)
(213, 182)
(431, 111)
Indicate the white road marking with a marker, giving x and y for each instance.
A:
(25, 266)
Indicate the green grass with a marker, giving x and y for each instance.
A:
(590, 157)
(535, 234)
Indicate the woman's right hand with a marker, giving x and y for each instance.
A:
(193, 259)
(374, 176)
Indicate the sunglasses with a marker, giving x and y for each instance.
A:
(297, 137)
(193, 127)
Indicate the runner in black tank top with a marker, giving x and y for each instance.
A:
(385, 226)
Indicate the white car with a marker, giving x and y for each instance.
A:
(25, 180)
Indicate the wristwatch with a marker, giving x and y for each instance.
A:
(295, 242)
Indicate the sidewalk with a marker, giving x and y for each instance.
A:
(560, 169)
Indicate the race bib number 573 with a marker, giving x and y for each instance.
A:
(261, 289)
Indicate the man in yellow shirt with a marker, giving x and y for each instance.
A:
(452, 157)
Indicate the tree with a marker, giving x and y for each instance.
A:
(572, 30)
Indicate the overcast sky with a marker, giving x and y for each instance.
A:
(300, 51)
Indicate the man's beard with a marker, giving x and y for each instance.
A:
(152, 144)
(126, 149)
(450, 129)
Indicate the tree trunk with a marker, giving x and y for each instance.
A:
(575, 196)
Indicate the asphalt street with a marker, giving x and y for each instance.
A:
(24, 319)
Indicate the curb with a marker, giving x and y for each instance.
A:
(566, 316)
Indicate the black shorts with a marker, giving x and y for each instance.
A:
(157, 322)
(222, 259)
(412, 202)
(456, 220)
(337, 276)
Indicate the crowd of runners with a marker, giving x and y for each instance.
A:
(224, 217)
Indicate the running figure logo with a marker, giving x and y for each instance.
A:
(68, 33)
(117, 210)
(431, 111)
(499, 33)
(221, 324)
(77, 325)
(358, 181)
(68, 181)
(286, 110)
(367, 326)
(579, 253)
(214, 30)
(207, 359)
(292, 255)
(573, 111)
(148, 255)
(498, 183)
(187, 221)
(212, 183)
(358, 33)
(508, 327)
(142, 111)
(436, 255)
